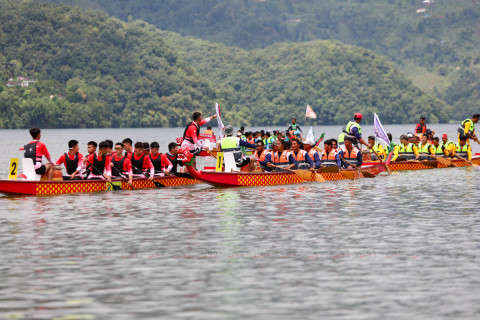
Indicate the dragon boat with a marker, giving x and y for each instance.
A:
(238, 179)
(32, 187)
(425, 164)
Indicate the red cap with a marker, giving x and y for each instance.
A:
(358, 115)
(444, 135)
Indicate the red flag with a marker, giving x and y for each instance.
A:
(309, 113)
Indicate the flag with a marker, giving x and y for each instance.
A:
(310, 139)
(309, 113)
(379, 131)
(221, 128)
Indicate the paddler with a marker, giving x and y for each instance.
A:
(141, 164)
(160, 161)
(408, 150)
(294, 126)
(396, 148)
(36, 150)
(438, 149)
(425, 147)
(172, 156)
(313, 153)
(353, 131)
(448, 145)
(91, 147)
(467, 129)
(128, 146)
(330, 157)
(351, 153)
(98, 164)
(110, 147)
(192, 131)
(229, 143)
(301, 156)
(146, 148)
(120, 163)
(282, 157)
(263, 156)
(377, 147)
(72, 160)
(463, 149)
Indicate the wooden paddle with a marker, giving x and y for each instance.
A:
(470, 162)
(305, 174)
(114, 186)
(366, 174)
(443, 161)
(121, 176)
(348, 174)
(210, 152)
(156, 183)
(427, 163)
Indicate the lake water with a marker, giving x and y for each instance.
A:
(404, 246)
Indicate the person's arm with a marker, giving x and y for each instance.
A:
(127, 167)
(395, 153)
(359, 137)
(359, 158)
(292, 160)
(309, 160)
(43, 149)
(244, 143)
(61, 160)
(432, 150)
(207, 120)
(381, 151)
(339, 161)
(469, 153)
(415, 151)
(147, 163)
(472, 135)
(167, 163)
(268, 158)
(298, 128)
(316, 159)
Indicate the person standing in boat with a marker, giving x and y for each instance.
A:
(121, 164)
(192, 131)
(421, 127)
(232, 144)
(98, 164)
(263, 156)
(467, 129)
(72, 160)
(160, 162)
(304, 162)
(281, 157)
(294, 126)
(330, 157)
(351, 153)
(36, 150)
(354, 131)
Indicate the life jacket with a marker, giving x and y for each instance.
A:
(347, 132)
(190, 139)
(98, 166)
(210, 132)
(407, 152)
(118, 164)
(329, 160)
(351, 156)
(461, 128)
(376, 147)
(294, 126)
(262, 156)
(31, 152)
(71, 165)
(281, 160)
(425, 148)
(300, 158)
(173, 159)
(462, 151)
(422, 128)
(231, 144)
(137, 165)
(439, 151)
(157, 163)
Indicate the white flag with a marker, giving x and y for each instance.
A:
(379, 131)
(221, 128)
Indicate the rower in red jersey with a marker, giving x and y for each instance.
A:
(99, 163)
(121, 164)
(36, 150)
(159, 160)
(72, 160)
(128, 145)
(141, 162)
(190, 136)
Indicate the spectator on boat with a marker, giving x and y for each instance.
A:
(172, 156)
(330, 157)
(98, 164)
(120, 163)
(141, 164)
(36, 150)
(160, 161)
(128, 145)
(354, 131)
(294, 126)
(408, 150)
(72, 160)
(448, 145)
(463, 149)
(377, 147)
(467, 129)
(350, 153)
(301, 156)
(282, 157)
(312, 152)
(209, 130)
(232, 144)
(425, 147)
(263, 156)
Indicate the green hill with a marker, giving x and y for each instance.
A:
(433, 42)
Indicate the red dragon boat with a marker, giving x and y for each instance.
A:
(31, 187)
(426, 164)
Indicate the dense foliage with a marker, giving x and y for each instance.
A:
(439, 39)
(111, 73)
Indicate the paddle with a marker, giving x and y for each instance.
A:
(120, 175)
(443, 161)
(305, 174)
(470, 162)
(348, 174)
(331, 169)
(156, 183)
(366, 174)
(114, 186)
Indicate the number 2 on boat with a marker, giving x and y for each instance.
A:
(12, 172)
(219, 166)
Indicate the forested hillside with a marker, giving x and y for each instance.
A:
(435, 42)
(100, 72)
(270, 85)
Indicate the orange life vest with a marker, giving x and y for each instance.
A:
(262, 156)
(281, 160)
(329, 159)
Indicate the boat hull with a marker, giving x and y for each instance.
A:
(24, 187)
(412, 165)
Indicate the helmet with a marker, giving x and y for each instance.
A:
(409, 134)
(358, 115)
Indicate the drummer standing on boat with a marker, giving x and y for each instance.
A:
(467, 129)
(36, 150)
(294, 126)
(190, 135)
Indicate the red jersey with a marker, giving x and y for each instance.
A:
(63, 161)
(165, 162)
(127, 165)
(41, 151)
(106, 167)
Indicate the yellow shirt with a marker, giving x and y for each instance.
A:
(469, 152)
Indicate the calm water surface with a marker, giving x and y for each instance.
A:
(404, 246)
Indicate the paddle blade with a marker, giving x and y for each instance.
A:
(158, 184)
(446, 162)
(116, 188)
(319, 177)
(367, 174)
(429, 163)
(305, 174)
(348, 174)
